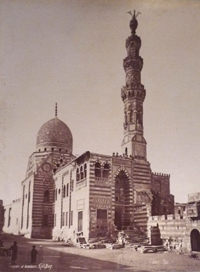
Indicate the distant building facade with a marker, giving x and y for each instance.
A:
(183, 226)
(64, 196)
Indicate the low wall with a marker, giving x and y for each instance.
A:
(169, 225)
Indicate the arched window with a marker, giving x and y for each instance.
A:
(81, 172)
(23, 195)
(97, 170)
(85, 170)
(56, 194)
(64, 191)
(126, 151)
(29, 191)
(77, 175)
(67, 189)
(46, 196)
(106, 171)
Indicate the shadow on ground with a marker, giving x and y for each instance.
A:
(53, 257)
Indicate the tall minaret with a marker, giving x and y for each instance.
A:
(133, 95)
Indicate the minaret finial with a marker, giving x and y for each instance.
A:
(133, 22)
(133, 14)
(56, 110)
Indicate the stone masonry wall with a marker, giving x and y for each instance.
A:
(169, 226)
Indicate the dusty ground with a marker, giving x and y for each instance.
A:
(56, 257)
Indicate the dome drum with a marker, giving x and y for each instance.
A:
(52, 146)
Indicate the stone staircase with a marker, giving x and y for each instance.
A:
(135, 236)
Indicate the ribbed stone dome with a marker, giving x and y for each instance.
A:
(55, 133)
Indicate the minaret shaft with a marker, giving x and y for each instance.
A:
(133, 95)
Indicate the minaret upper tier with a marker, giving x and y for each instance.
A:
(133, 93)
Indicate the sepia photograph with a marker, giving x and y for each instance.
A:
(99, 135)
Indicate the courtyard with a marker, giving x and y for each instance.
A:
(55, 256)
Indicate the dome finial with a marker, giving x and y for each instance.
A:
(56, 110)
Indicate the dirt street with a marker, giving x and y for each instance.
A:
(55, 257)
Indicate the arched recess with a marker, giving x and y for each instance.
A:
(123, 200)
(195, 240)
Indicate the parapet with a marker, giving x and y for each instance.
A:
(167, 217)
(161, 175)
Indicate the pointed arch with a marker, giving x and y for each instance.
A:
(122, 196)
(125, 171)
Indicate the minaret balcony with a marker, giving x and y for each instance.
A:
(131, 91)
(133, 62)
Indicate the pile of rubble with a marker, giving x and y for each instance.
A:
(136, 241)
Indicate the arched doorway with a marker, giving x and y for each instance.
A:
(122, 201)
(195, 240)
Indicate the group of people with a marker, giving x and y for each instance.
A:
(174, 245)
(14, 251)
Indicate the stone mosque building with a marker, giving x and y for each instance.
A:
(63, 195)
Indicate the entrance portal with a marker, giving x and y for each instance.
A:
(195, 240)
(122, 200)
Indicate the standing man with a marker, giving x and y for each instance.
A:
(34, 253)
(14, 250)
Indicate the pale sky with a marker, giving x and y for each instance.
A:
(71, 52)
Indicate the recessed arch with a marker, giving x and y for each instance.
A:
(195, 240)
(122, 199)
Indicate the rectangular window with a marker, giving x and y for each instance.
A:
(66, 219)
(9, 216)
(102, 220)
(27, 223)
(71, 218)
(101, 214)
(80, 221)
(63, 218)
